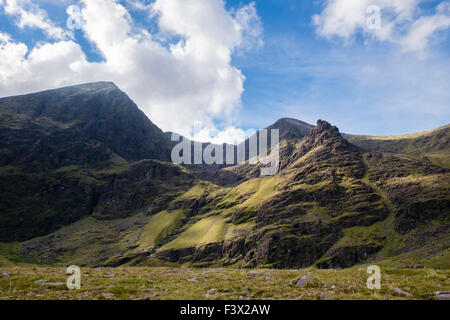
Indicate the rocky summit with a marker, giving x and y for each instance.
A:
(86, 179)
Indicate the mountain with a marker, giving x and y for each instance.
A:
(432, 145)
(56, 150)
(332, 205)
(290, 131)
(291, 128)
(82, 124)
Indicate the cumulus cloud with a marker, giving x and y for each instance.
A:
(29, 15)
(423, 29)
(250, 24)
(137, 5)
(230, 135)
(174, 82)
(402, 22)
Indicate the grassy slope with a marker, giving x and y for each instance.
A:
(159, 227)
(215, 226)
(207, 230)
(432, 145)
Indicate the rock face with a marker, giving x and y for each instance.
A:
(84, 180)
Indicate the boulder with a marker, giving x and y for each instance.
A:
(303, 281)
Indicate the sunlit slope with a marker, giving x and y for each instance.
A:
(432, 145)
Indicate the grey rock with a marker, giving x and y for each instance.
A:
(416, 267)
(108, 295)
(211, 291)
(303, 280)
(54, 284)
(193, 279)
(443, 295)
(402, 292)
(4, 275)
(254, 273)
(49, 284)
(268, 276)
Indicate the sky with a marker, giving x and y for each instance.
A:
(367, 66)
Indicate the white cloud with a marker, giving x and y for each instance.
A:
(137, 5)
(250, 24)
(230, 135)
(402, 22)
(175, 84)
(424, 28)
(30, 15)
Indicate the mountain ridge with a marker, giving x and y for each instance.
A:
(333, 204)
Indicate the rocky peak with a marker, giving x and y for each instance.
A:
(292, 128)
(325, 130)
(324, 134)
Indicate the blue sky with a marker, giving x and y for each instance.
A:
(301, 75)
(300, 59)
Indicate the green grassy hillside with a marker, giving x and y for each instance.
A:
(432, 145)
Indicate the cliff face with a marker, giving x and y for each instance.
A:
(85, 180)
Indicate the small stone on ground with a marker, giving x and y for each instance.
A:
(402, 292)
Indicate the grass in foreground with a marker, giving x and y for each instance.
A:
(180, 283)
